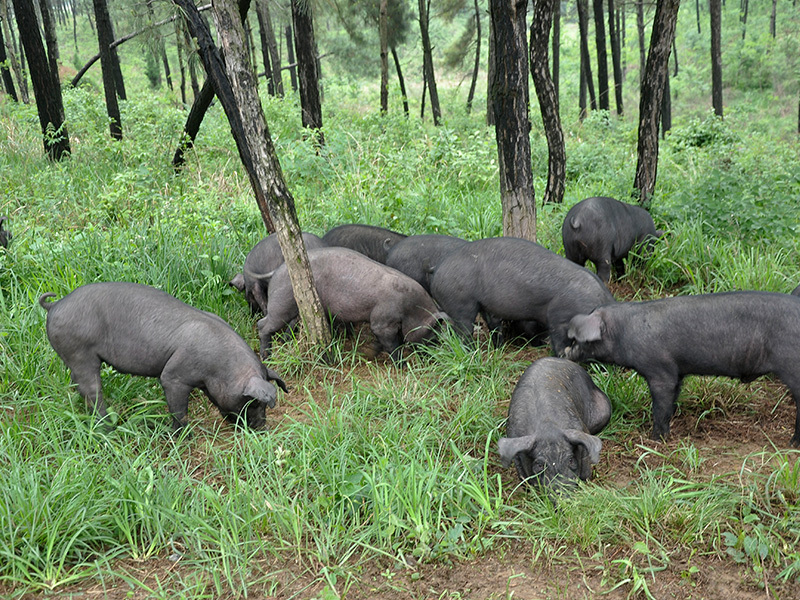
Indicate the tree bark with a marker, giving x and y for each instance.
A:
(548, 100)
(162, 49)
(651, 97)
(268, 34)
(666, 107)
(400, 80)
(556, 46)
(383, 26)
(586, 64)
(234, 85)
(105, 37)
(640, 31)
(697, 9)
(427, 62)
(715, 12)
(10, 43)
(602, 55)
(476, 67)
(773, 19)
(616, 62)
(290, 57)
(512, 125)
(491, 74)
(744, 7)
(8, 81)
(305, 46)
(46, 88)
(50, 37)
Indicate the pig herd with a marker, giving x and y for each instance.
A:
(408, 287)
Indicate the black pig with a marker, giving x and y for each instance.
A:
(141, 330)
(356, 289)
(603, 230)
(265, 257)
(5, 234)
(554, 411)
(735, 334)
(516, 280)
(370, 240)
(796, 291)
(418, 255)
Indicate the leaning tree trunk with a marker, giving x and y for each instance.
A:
(234, 85)
(477, 65)
(548, 100)
(307, 68)
(46, 88)
(400, 80)
(512, 125)
(653, 85)
(715, 12)
(427, 62)
(105, 37)
(8, 81)
(383, 26)
(616, 63)
(602, 56)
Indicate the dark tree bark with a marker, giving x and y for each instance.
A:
(290, 57)
(773, 19)
(8, 81)
(548, 100)
(640, 31)
(675, 57)
(697, 9)
(427, 62)
(46, 88)
(234, 85)
(476, 67)
(50, 37)
(586, 65)
(556, 46)
(179, 47)
(491, 73)
(651, 97)
(162, 50)
(105, 37)
(383, 26)
(268, 38)
(666, 108)
(512, 125)
(744, 7)
(17, 66)
(305, 46)
(265, 53)
(715, 13)
(602, 56)
(400, 80)
(616, 63)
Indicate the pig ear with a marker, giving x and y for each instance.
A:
(592, 443)
(585, 328)
(273, 376)
(508, 448)
(261, 390)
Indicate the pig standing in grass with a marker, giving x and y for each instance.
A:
(369, 240)
(418, 255)
(603, 230)
(513, 279)
(735, 334)
(356, 289)
(5, 234)
(265, 257)
(141, 330)
(555, 410)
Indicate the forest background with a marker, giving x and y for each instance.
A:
(374, 481)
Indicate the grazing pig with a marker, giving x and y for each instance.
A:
(603, 230)
(264, 258)
(5, 234)
(517, 280)
(141, 330)
(735, 334)
(356, 289)
(371, 241)
(555, 410)
(418, 255)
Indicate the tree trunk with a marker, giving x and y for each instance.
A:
(307, 68)
(666, 107)
(697, 8)
(556, 46)
(650, 103)
(512, 125)
(491, 73)
(640, 31)
(384, 40)
(46, 88)
(234, 84)
(105, 37)
(50, 37)
(586, 65)
(189, 47)
(744, 7)
(271, 44)
(290, 57)
(162, 50)
(675, 57)
(179, 47)
(616, 63)
(477, 65)
(773, 19)
(548, 100)
(602, 56)
(8, 81)
(427, 62)
(16, 66)
(715, 12)
(400, 80)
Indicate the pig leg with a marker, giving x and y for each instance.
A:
(260, 297)
(619, 267)
(664, 388)
(271, 324)
(176, 391)
(86, 376)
